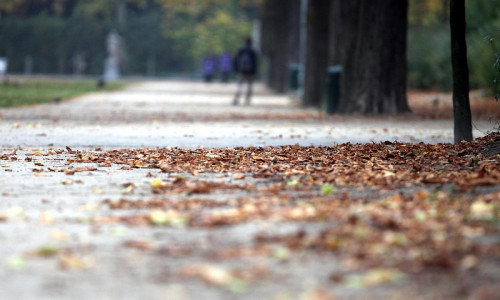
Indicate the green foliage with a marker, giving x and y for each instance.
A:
(429, 54)
(497, 77)
(147, 50)
(429, 61)
(428, 13)
(35, 91)
(7, 6)
(327, 189)
(51, 42)
(218, 34)
(203, 27)
(483, 26)
(483, 54)
(160, 36)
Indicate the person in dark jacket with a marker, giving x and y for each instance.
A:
(245, 64)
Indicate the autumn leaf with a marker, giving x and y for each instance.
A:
(480, 210)
(373, 278)
(156, 183)
(327, 189)
(16, 262)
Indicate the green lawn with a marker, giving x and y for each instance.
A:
(25, 91)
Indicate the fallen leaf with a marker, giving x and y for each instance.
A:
(46, 218)
(70, 261)
(374, 277)
(157, 183)
(16, 263)
(480, 210)
(327, 189)
(47, 251)
(67, 181)
(282, 254)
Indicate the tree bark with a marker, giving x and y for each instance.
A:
(374, 58)
(461, 106)
(317, 52)
(340, 26)
(279, 40)
(293, 31)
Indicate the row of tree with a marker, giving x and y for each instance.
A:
(369, 40)
(160, 37)
(168, 36)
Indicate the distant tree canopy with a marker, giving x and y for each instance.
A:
(429, 60)
(160, 36)
(207, 26)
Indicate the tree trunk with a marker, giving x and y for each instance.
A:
(279, 39)
(374, 59)
(293, 31)
(461, 106)
(317, 51)
(340, 26)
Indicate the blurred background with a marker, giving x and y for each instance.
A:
(165, 38)
(157, 37)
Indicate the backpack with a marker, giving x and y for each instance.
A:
(246, 62)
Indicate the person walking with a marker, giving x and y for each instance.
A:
(225, 66)
(245, 64)
(209, 68)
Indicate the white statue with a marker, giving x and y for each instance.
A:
(3, 66)
(112, 65)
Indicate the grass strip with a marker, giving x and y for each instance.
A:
(27, 91)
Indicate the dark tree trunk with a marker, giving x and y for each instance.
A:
(461, 106)
(340, 25)
(374, 58)
(293, 31)
(317, 51)
(279, 40)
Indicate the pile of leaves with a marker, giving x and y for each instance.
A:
(409, 206)
(384, 165)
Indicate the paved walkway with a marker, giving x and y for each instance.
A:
(183, 114)
(53, 247)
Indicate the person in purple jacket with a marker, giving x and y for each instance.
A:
(225, 66)
(209, 68)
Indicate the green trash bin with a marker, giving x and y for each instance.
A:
(333, 88)
(293, 77)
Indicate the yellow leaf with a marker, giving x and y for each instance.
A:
(215, 275)
(128, 190)
(46, 218)
(12, 212)
(388, 173)
(58, 235)
(71, 261)
(373, 277)
(97, 191)
(157, 183)
(16, 262)
(480, 210)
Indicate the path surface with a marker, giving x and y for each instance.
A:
(158, 114)
(53, 247)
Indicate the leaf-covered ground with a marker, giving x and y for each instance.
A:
(386, 212)
(408, 206)
(362, 220)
